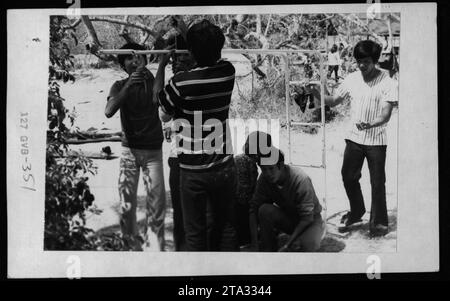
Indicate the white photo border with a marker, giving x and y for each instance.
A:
(418, 201)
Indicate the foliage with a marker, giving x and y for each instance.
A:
(60, 58)
(67, 195)
(253, 31)
(67, 199)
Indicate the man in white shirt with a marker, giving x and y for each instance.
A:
(372, 94)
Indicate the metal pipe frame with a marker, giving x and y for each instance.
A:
(310, 166)
(307, 123)
(284, 53)
(238, 51)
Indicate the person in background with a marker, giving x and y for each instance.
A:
(334, 61)
(388, 59)
(141, 149)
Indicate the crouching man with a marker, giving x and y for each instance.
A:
(285, 200)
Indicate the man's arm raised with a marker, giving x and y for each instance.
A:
(159, 85)
(117, 96)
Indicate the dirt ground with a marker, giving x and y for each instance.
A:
(88, 96)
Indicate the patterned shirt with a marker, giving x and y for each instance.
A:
(367, 100)
(199, 100)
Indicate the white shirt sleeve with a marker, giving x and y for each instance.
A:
(390, 92)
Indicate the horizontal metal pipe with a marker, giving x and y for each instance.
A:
(309, 166)
(319, 124)
(247, 51)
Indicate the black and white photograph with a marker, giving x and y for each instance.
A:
(254, 134)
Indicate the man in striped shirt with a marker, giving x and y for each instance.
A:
(372, 94)
(198, 100)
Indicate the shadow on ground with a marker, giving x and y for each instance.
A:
(331, 244)
(141, 208)
(357, 240)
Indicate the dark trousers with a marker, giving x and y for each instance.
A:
(354, 156)
(207, 199)
(272, 218)
(243, 223)
(174, 183)
(334, 68)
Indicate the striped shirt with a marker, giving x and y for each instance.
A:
(367, 100)
(199, 100)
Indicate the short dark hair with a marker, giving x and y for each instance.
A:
(205, 40)
(122, 57)
(367, 48)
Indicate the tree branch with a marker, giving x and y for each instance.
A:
(327, 17)
(394, 17)
(262, 39)
(145, 38)
(91, 30)
(358, 22)
(258, 24)
(95, 44)
(162, 19)
(125, 19)
(129, 24)
(268, 26)
(73, 25)
(124, 32)
(287, 43)
(255, 65)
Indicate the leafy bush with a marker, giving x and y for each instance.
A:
(67, 195)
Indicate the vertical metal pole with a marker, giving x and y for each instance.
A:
(287, 78)
(322, 111)
(253, 80)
